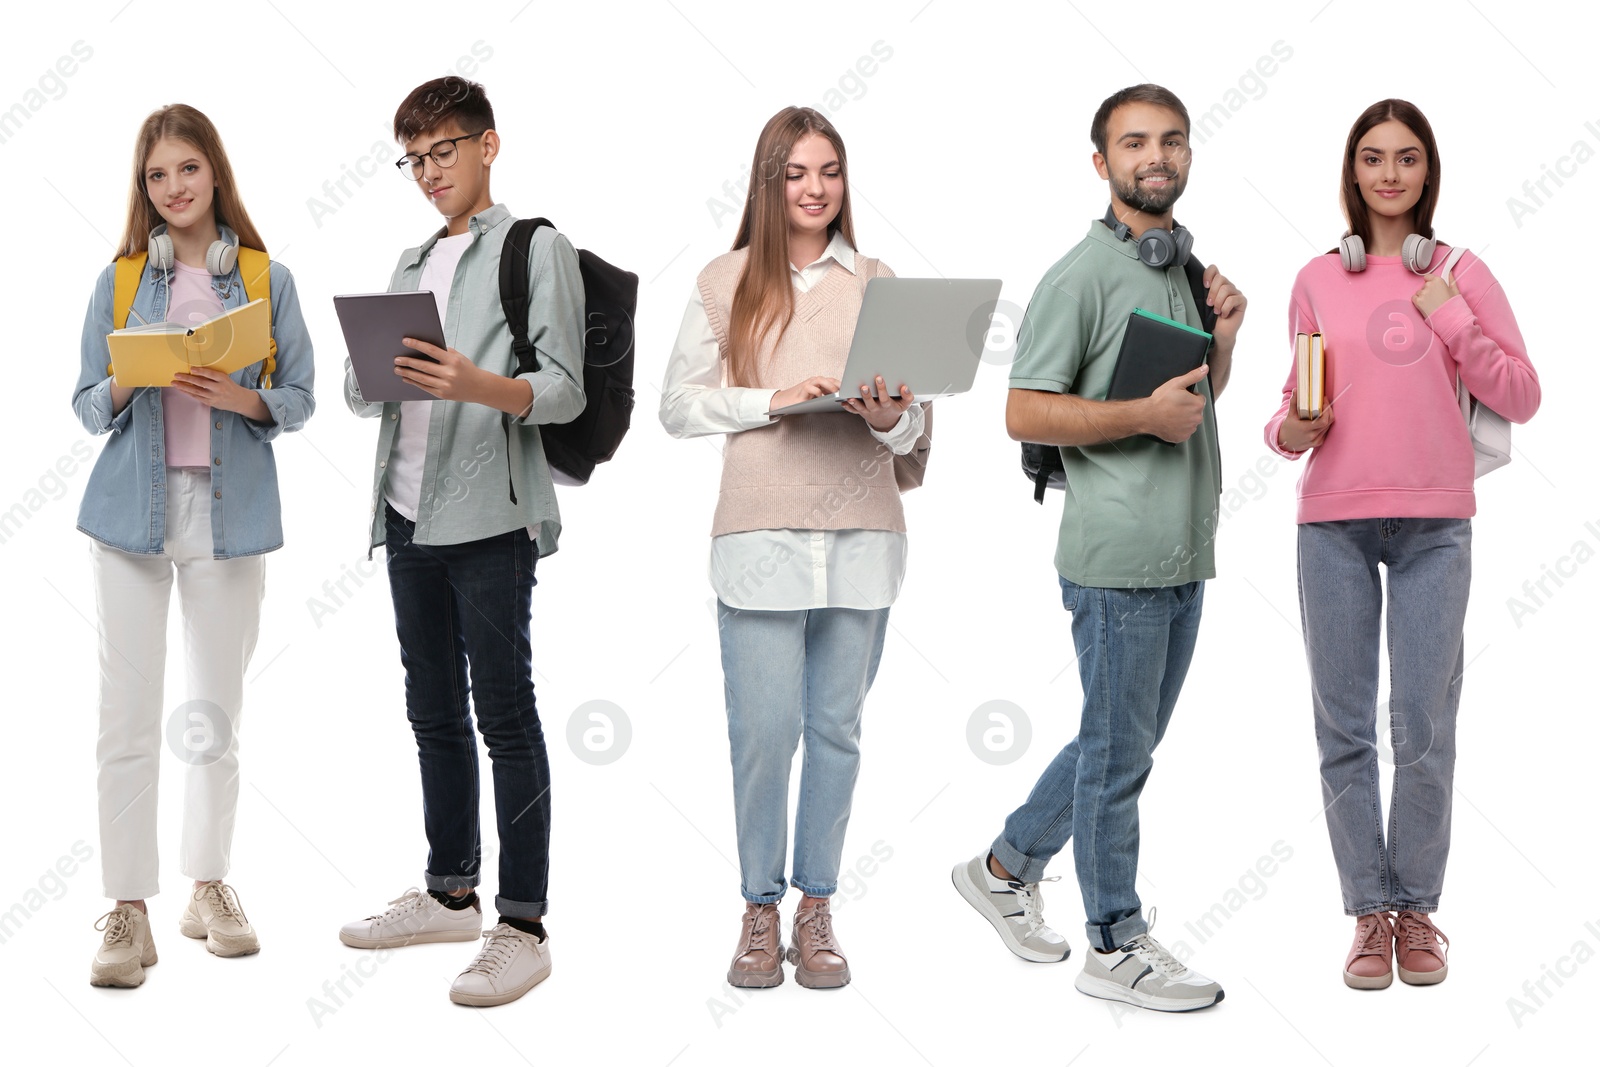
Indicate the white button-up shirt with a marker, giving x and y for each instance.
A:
(781, 570)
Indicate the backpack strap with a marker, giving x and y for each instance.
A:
(514, 281)
(255, 267)
(514, 275)
(1197, 288)
(129, 270)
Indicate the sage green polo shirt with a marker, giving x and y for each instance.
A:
(1139, 513)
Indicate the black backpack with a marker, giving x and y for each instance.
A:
(610, 296)
(1042, 463)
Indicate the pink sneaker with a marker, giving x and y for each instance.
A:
(1368, 965)
(1422, 958)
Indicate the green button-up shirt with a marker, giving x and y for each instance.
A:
(465, 492)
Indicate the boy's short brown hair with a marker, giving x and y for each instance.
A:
(434, 103)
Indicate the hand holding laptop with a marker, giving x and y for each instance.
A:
(880, 414)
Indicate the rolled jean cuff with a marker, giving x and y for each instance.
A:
(517, 909)
(1110, 936)
(1023, 867)
(763, 898)
(1423, 909)
(816, 891)
(449, 883)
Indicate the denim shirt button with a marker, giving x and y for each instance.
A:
(383, 463)
(218, 494)
(219, 425)
(218, 461)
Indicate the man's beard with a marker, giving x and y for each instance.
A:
(1149, 201)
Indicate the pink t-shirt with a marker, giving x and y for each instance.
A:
(1398, 446)
(187, 420)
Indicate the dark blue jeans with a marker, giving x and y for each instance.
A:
(459, 610)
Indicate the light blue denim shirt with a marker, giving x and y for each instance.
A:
(466, 495)
(124, 504)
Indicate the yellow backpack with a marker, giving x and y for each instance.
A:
(254, 267)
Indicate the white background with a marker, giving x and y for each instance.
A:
(969, 156)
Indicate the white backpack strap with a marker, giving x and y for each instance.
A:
(1450, 262)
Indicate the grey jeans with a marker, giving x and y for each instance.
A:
(1428, 572)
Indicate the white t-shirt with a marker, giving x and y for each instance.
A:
(403, 487)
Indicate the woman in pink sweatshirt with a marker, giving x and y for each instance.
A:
(1389, 481)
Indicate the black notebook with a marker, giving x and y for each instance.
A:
(1155, 349)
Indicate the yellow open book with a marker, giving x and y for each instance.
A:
(152, 354)
(1308, 374)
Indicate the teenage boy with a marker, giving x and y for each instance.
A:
(461, 552)
(1134, 551)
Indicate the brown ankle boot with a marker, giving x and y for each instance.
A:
(758, 961)
(818, 960)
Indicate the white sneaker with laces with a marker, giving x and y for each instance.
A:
(215, 914)
(509, 964)
(414, 918)
(1014, 909)
(1144, 973)
(125, 951)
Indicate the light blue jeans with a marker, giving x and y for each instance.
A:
(1428, 563)
(789, 673)
(1134, 648)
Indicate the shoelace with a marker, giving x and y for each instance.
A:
(758, 929)
(224, 901)
(499, 945)
(1153, 952)
(1419, 933)
(1375, 934)
(817, 924)
(1032, 902)
(116, 925)
(401, 906)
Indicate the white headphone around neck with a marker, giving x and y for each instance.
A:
(220, 257)
(1416, 253)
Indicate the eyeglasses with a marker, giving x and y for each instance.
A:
(443, 153)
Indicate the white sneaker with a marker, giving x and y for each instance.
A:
(509, 964)
(215, 914)
(1144, 973)
(126, 949)
(414, 918)
(1014, 909)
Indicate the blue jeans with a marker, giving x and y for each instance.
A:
(461, 608)
(1134, 647)
(1429, 571)
(789, 673)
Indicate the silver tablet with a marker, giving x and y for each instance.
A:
(926, 333)
(373, 325)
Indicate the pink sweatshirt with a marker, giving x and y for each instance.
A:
(1398, 446)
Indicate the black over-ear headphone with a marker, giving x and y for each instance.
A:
(1157, 247)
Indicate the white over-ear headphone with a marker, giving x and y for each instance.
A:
(220, 257)
(1416, 253)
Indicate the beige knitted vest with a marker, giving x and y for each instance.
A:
(804, 472)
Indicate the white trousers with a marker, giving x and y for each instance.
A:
(221, 604)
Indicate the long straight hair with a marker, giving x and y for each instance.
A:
(764, 297)
(1356, 213)
(180, 122)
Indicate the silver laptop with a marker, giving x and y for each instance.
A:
(925, 333)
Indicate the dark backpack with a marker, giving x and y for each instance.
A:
(610, 296)
(1042, 463)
